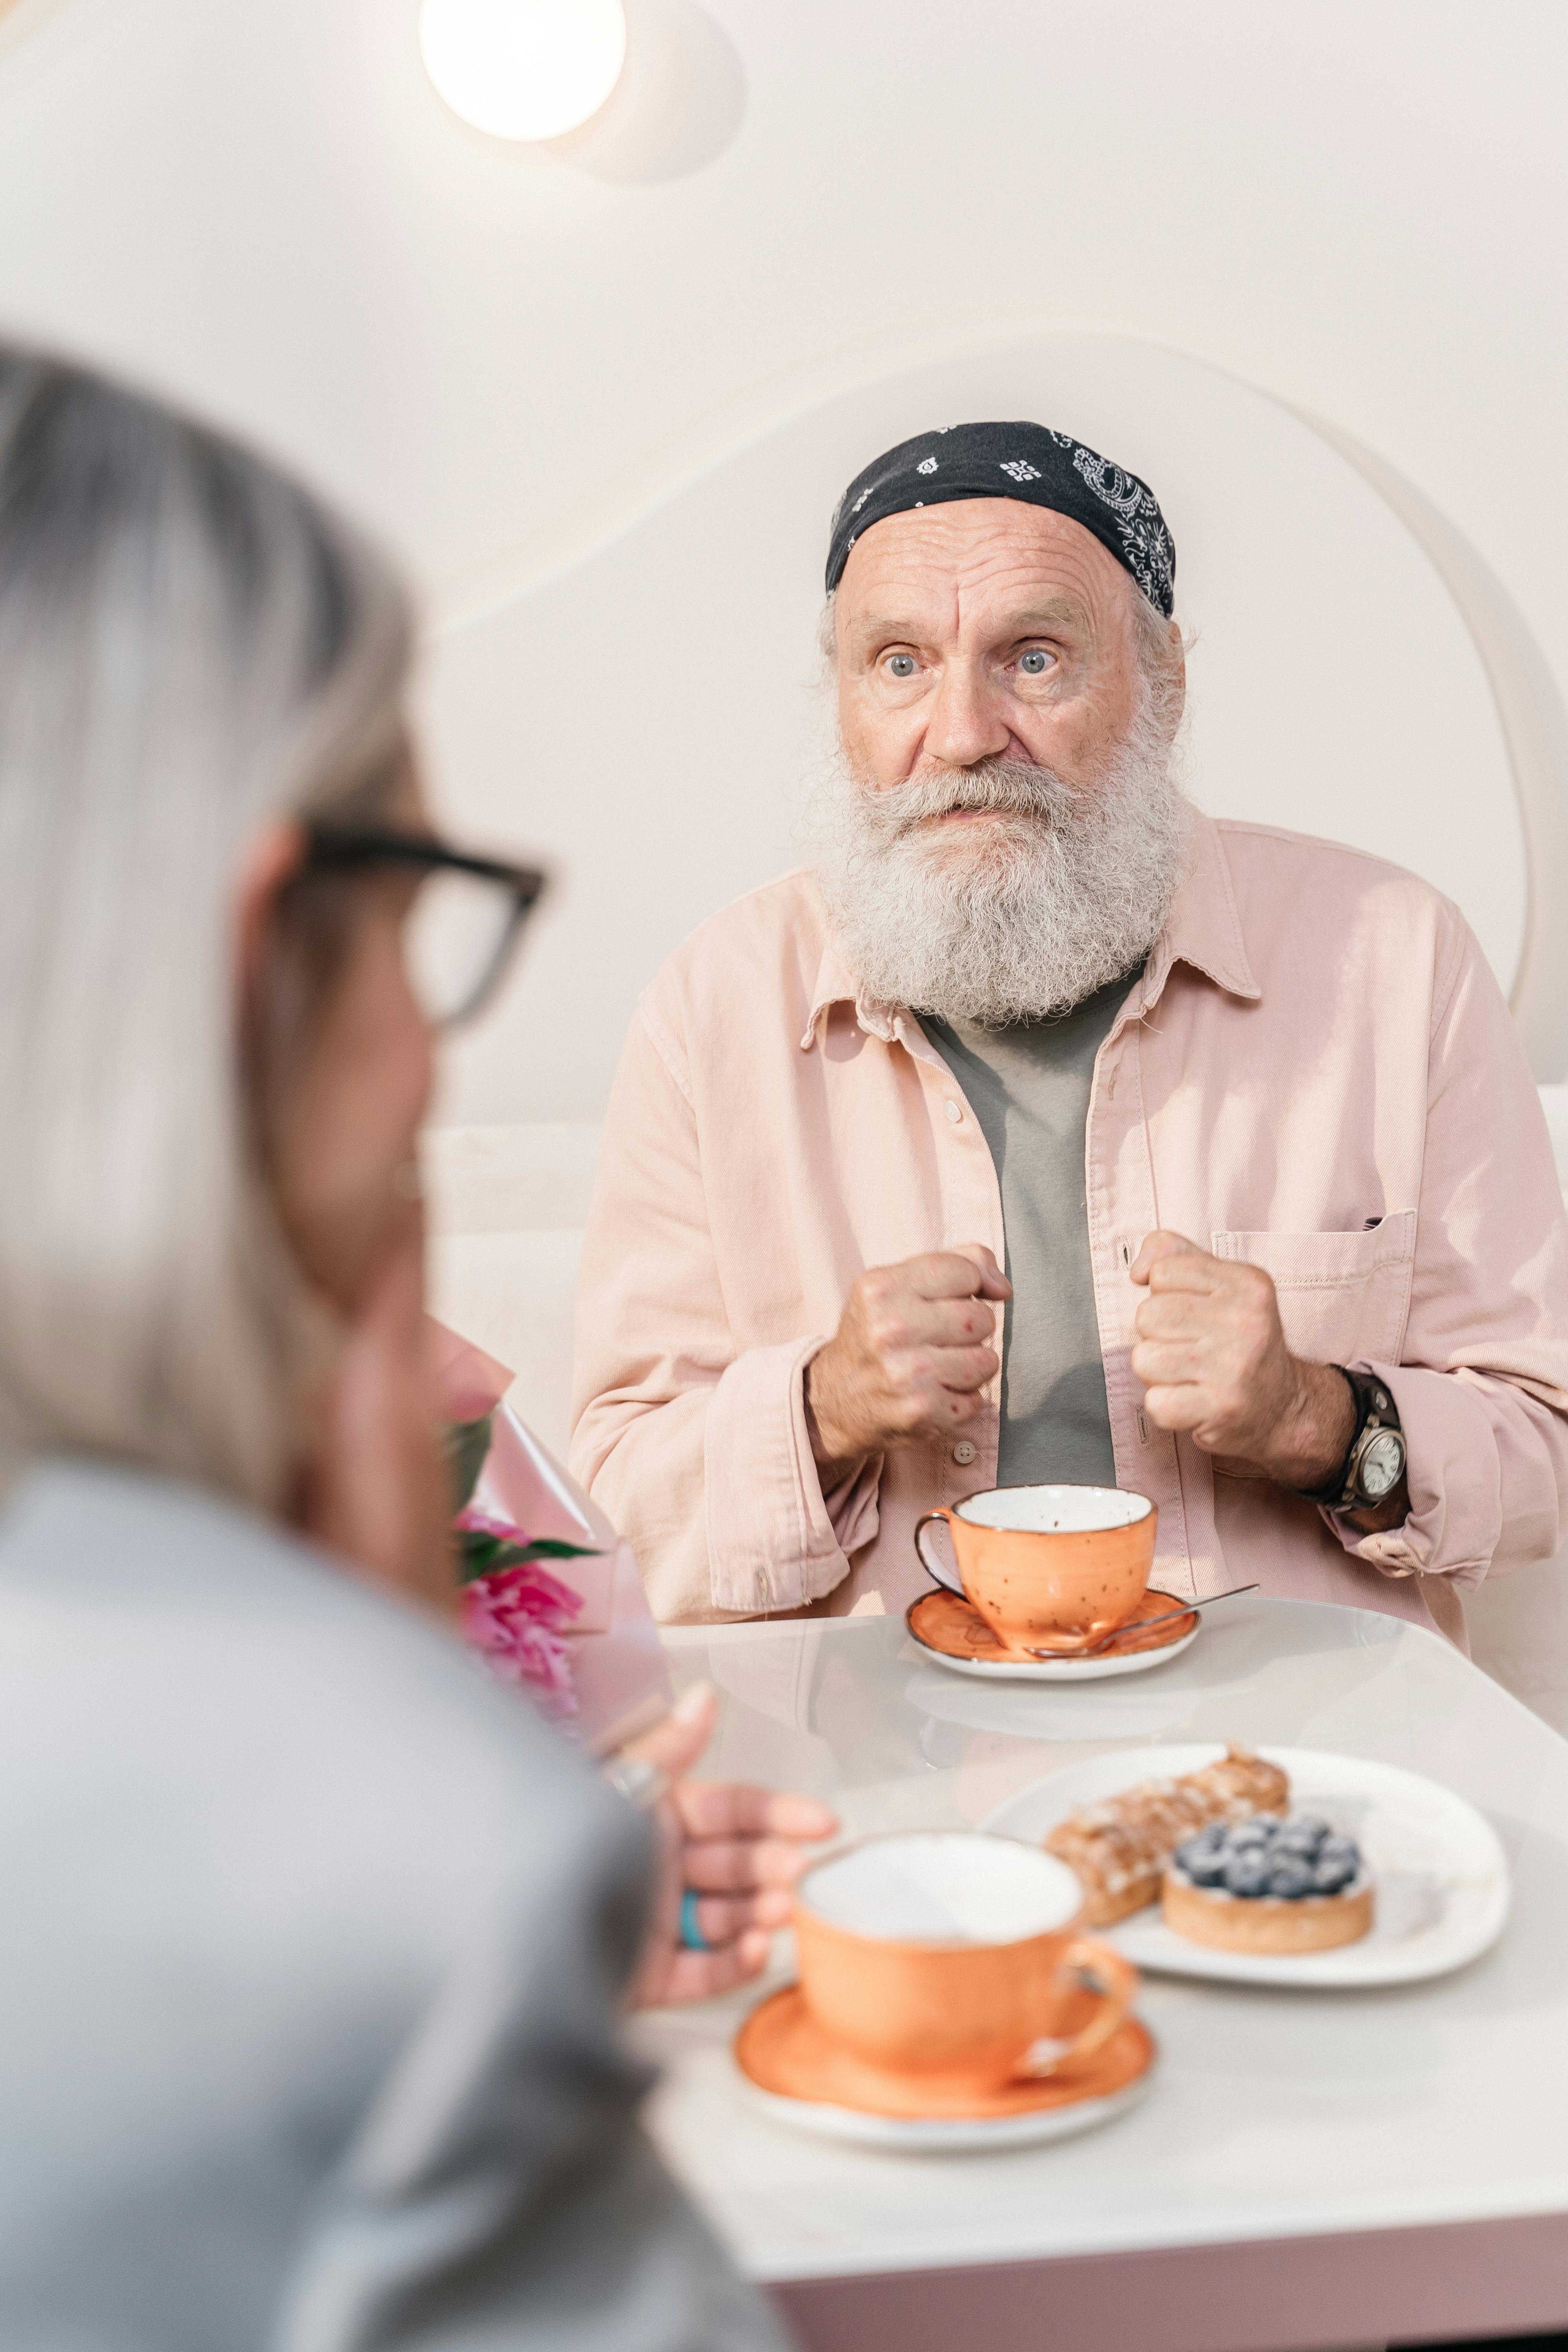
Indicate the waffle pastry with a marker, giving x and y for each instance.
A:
(1118, 1849)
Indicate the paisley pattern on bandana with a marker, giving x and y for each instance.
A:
(1150, 554)
(1032, 462)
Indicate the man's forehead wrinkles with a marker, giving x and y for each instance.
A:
(955, 572)
(1019, 605)
(1009, 607)
(968, 532)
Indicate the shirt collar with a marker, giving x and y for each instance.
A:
(836, 984)
(1204, 926)
(1203, 930)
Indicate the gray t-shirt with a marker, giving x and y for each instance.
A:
(1028, 1086)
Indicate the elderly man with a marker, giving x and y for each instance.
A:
(1229, 1129)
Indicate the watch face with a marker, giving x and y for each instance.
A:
(1382, 1465)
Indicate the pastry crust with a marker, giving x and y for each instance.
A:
(1267, 1925)
(1118, 1849)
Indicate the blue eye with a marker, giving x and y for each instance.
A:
(901, 665)
(1033, 663)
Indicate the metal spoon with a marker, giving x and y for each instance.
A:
(1146, 1624)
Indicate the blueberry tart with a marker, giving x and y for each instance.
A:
(1268, 1886)
(1119, 1848)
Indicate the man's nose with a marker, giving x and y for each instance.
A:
(965, 720)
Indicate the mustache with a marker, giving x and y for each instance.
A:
(1001, 787)
(1060, 891)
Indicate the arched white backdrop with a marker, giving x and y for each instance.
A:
(645, 717)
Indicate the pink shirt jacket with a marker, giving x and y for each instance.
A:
(1316, 1073)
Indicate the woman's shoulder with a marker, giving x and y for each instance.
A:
(296, 1889)
(186, 1646)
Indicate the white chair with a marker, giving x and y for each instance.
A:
(1518, 1626)
(505, 1207)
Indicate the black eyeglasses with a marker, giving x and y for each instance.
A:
(466, 920)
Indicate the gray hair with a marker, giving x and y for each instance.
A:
(190, 646)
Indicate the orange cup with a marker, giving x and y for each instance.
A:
(1048, 1567)
(945, 1956)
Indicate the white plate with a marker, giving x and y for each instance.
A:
(944, 2136)
(1442, 1878)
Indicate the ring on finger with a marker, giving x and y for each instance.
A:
(692, 1936)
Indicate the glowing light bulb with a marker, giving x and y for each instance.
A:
(523, 69)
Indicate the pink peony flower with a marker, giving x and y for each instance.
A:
(514, 1617)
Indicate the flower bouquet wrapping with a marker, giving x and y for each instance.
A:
(514, 1611)
(551, 1600)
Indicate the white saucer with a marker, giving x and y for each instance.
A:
(968, 2136)
(1061, 1670)
(1043, 1670)
(1441, 1875)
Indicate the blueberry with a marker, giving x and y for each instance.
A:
(1303, 1836)
(1291, 1876)
(1257, 1832)
(1340, 1850)
(1203, 1865)
(1248, 1873)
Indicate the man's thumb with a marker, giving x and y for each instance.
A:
(1157, 1246)
(994, 1283)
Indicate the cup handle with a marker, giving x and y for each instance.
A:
(935, 1569)
(1117, 1979)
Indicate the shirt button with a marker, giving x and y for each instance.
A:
(965, 1451)
(954, 1112)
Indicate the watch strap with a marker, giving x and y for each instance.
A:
(1374, 1407)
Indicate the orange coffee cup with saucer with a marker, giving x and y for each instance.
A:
(1048, 1568)
(949, 1964)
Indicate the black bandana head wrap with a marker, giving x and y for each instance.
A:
(1014, 461)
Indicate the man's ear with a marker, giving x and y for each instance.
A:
(269, 864)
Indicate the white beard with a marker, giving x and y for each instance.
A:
(1005, 918)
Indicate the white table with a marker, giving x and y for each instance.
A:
(1309, 2169)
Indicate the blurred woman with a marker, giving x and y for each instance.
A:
(316, 1941)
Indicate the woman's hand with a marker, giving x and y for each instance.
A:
(740, 1850)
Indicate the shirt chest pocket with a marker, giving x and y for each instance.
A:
(1343, 1297)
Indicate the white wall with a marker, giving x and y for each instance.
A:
(648, 717)
(508, 358)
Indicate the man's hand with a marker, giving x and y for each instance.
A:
(911, 1355)
(1211, 1353)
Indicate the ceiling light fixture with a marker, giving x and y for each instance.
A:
(523, 69)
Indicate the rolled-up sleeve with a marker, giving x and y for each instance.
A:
(1482, 1386)
(694, 1443)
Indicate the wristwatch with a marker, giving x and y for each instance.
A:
(1375, 1461)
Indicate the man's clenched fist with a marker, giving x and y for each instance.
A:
(1211, 1353)
(911, 1355)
